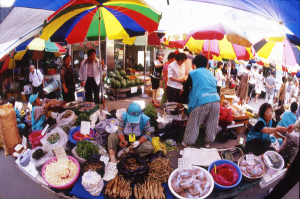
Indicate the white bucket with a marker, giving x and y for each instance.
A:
(271, 170)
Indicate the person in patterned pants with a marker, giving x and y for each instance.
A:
(204, 103)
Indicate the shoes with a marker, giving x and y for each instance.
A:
(185, 145)
(121, 152)
(207, 144)
(156, 105)
(110, 172)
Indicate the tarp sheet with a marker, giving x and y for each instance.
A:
(282, 11)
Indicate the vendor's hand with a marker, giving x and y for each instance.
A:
(135, 144)
(66, 90)
(82, 84)
(290, 128)
(53, 102)
(123, 144)
(282, 129)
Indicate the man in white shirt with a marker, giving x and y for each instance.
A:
(36, 78)
(252, 80)
(89, 74)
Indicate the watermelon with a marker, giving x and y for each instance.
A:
(105, 79)
(137, 81)
(123, 73)
(112, 83)
(121, 78)
(113, 75)
(117, 84)
(142, 82)
(116, 72)
(128, 83)
(126, 77)
(110, 74)
(133, 83)
(123, 83)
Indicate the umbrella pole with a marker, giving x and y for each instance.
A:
(99, 46)
(285, 60)
(37, 60)
(124, 59)
(144, 95)
(208, 54)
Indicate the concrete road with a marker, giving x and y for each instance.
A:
(14, 184)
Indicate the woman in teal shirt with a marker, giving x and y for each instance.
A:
(258, 138)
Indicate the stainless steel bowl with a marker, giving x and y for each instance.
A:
(173, 108)
(251, 179)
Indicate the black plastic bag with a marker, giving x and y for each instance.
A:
(94, 159)
(152, 156)
(112, 114)
(226, 135)
(136, 175)
(173, 130)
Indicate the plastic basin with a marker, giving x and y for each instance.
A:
(66, 186)
(271, 170)
(35, 138)
(219, 162)
(209, 179)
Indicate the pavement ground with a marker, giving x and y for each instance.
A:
(14, 184)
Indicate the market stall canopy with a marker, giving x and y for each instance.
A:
(79, 20)
(21, 20)
(284, 12)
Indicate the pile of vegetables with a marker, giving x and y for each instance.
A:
(160, 169)
(150, 111)
(82, 117)
(149, 190)
(67, 114)
(84, 149)
(38, 154)
(132, 164)
(118, 188)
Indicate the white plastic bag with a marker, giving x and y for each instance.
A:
(94, 118)
(65, 121)
(49, 154)
(111, 125)
(92, 182)
(119, 112)
(62, 141)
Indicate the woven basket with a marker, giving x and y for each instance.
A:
(82, 160)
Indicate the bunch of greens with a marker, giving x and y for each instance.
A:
(82, 117)
(150, 111)
(85, 149)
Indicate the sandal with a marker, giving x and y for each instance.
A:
(156, 105)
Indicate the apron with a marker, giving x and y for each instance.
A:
(37, 125)
(69, 81)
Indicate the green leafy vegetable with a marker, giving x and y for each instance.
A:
(85, 148)
(150, 111)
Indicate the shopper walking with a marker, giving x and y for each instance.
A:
(259, 84)
(155, 77)
(219, 76)
(176, 73)
(67, 79)
(271, 84)
(281, 93)
(89, 74)
(242, 89)
(37, 79)
(251, 85)
(204, 103)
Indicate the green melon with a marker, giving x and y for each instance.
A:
(128, 83)
(123, 83)
(117, 84)
(133, 83)
(137, 81)
(116, 72)
(123, 73)
(112, 83)
(110, 74)
(126, 77)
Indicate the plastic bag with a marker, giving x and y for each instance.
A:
(101, 126)
(65, 121)
(289, 148)
(62, 141)
(226, 114)
(136, 175)
(94, 117)
(101, 138)
(158, 146)
(40, 162)
(92, 183)
(222, 181)
(94, 159)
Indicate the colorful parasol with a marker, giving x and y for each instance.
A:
(120, 19)
(280, 48)
(38, 49)
(7, 62)
(153, 39)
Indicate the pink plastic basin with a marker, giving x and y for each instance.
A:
(66, 186)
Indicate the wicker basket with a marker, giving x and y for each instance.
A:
(82, 160)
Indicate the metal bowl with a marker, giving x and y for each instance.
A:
(251, 179)
(71, 105)
(173, 108)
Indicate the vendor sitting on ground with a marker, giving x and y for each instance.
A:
(22, 127)
(39, 109)
(288, 117)
(258, 139)
(133, 130)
